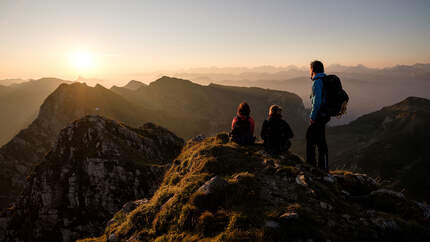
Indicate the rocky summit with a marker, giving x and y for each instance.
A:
(218, 191)
(95, 167)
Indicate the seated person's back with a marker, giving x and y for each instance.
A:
(276, 132)
(242, 126)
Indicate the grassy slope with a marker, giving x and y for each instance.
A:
(256, 195)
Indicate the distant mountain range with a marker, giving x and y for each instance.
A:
(273, 73)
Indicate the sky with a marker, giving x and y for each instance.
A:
(122, 39)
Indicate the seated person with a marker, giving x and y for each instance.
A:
(242, 126)
(276, 132)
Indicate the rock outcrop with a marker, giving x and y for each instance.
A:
(220, 191)
(95, 167)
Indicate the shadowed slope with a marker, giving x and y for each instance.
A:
(391, 143)
(95, 167)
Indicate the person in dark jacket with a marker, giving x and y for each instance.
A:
(242, 126)
(315, 135)
(276, 132)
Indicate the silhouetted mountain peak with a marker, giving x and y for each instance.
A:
(172, 82)
(407, 107)
(49, 79)
(415, 102)
(75, 85)
(134, 85)
(73, 101)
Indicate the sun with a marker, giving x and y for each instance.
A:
(82, 60)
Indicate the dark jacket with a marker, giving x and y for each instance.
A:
(242, 130)
(276, 134)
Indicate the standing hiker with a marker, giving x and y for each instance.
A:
(315, 136)
(328, 100)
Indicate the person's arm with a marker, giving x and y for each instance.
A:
(233, 122)
(317, 91)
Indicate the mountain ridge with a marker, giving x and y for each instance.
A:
(389, 143)
(215, 104)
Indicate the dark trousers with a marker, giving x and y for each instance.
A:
(315, 137)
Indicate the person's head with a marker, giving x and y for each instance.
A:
(275, 110)
(316, 67)
(243, 109)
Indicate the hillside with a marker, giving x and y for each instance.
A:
(391, 143)
(218, 191)
(66, 104)
(20, 103)
(95, 167)
(210, 109)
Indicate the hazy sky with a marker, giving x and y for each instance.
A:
(119, 39)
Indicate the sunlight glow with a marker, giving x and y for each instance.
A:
(82, 60)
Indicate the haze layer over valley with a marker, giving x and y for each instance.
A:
(369, 88)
